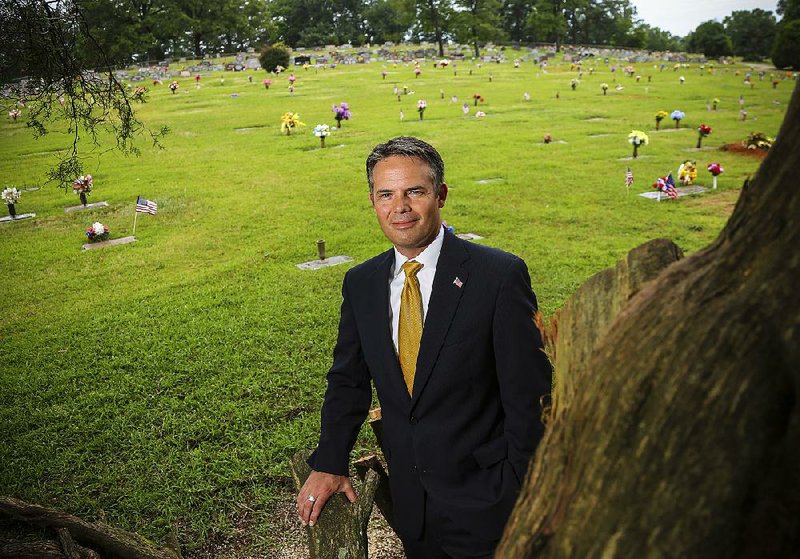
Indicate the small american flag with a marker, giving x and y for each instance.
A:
(457, 282)
(146, 206)
(669, 187)
(628, 177)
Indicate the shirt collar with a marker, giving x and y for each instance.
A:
(428, 257)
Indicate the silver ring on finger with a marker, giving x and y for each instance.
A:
(311, 499)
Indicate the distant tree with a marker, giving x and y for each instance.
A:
(789, 9)
(273, 56)
(434, 18)
(65, 87)
(710, 39)
(388, 20)
(515, 14)
(477, 22)
(786, 50)
(752, 33)
(547, 22)
(660, 40)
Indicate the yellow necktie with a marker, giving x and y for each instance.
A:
(409, 330)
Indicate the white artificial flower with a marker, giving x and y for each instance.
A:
(98, 228)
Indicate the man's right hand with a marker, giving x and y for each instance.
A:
(320, 486)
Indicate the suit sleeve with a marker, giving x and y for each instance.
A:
(523, 370)
(347, 397)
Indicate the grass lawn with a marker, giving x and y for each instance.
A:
(165, 382)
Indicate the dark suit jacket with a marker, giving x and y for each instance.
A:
(466, 436)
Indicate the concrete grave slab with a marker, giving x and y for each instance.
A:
(109, 243)
(19, 217)
(102, 204)
(682, 191)
(317, 264)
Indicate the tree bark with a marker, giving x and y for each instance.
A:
(676, 435)
(98, 535)
(341, 530)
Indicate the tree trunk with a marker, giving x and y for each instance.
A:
(676, 434)
(341, 530)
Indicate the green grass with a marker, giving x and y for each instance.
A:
(167, 381)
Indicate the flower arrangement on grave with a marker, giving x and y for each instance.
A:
(687, 172)
(604, 87)
(758, 140)
(421, 106)
(139, 93)
(444, 63)
(291, 79)
(322, 131)
(714, 103)
(573, 83)
(743, 114)
(11, 196)
(638, 138)
(702, 131)
(716, 170)
(775, 84)
(417, 72)
(629, 71)
(476, 97)
(267, 82)
(677, 116)
(660, 115)
(465, 109)
(157, 81)
(526, 96)
(547, 138)
(173, 86)
(289, 121)
(279, 69)
(97, 232)
(341, 112)
(14, 114)
(480, 114)
(681, 79)
(83, 186)
(384, 74)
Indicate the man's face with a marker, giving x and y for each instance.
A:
(406, 206)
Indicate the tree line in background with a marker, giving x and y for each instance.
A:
(126, 31)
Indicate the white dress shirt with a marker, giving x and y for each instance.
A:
(428, 258)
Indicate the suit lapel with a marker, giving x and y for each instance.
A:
(378, 313)
(451, 269)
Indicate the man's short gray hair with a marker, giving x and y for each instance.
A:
(407, 146)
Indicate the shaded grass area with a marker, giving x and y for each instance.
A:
(166, 382)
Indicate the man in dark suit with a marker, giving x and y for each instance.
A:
(445, 330)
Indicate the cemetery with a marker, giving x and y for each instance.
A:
(163, 386)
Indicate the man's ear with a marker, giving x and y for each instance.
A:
(442, 194)
(372, 198)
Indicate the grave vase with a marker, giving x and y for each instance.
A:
(12, 211)
(83, 197)
(635, 150)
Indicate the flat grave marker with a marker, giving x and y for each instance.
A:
(109, 243)
(682, 191)
(18, 217)
(93, 205)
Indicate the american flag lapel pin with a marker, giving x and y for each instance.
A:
(457, 282)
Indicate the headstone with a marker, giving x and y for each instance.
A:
(19, 217)
(469, 236)
(317, 264)
(111, 243)
(682, 191)
(102, 204)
